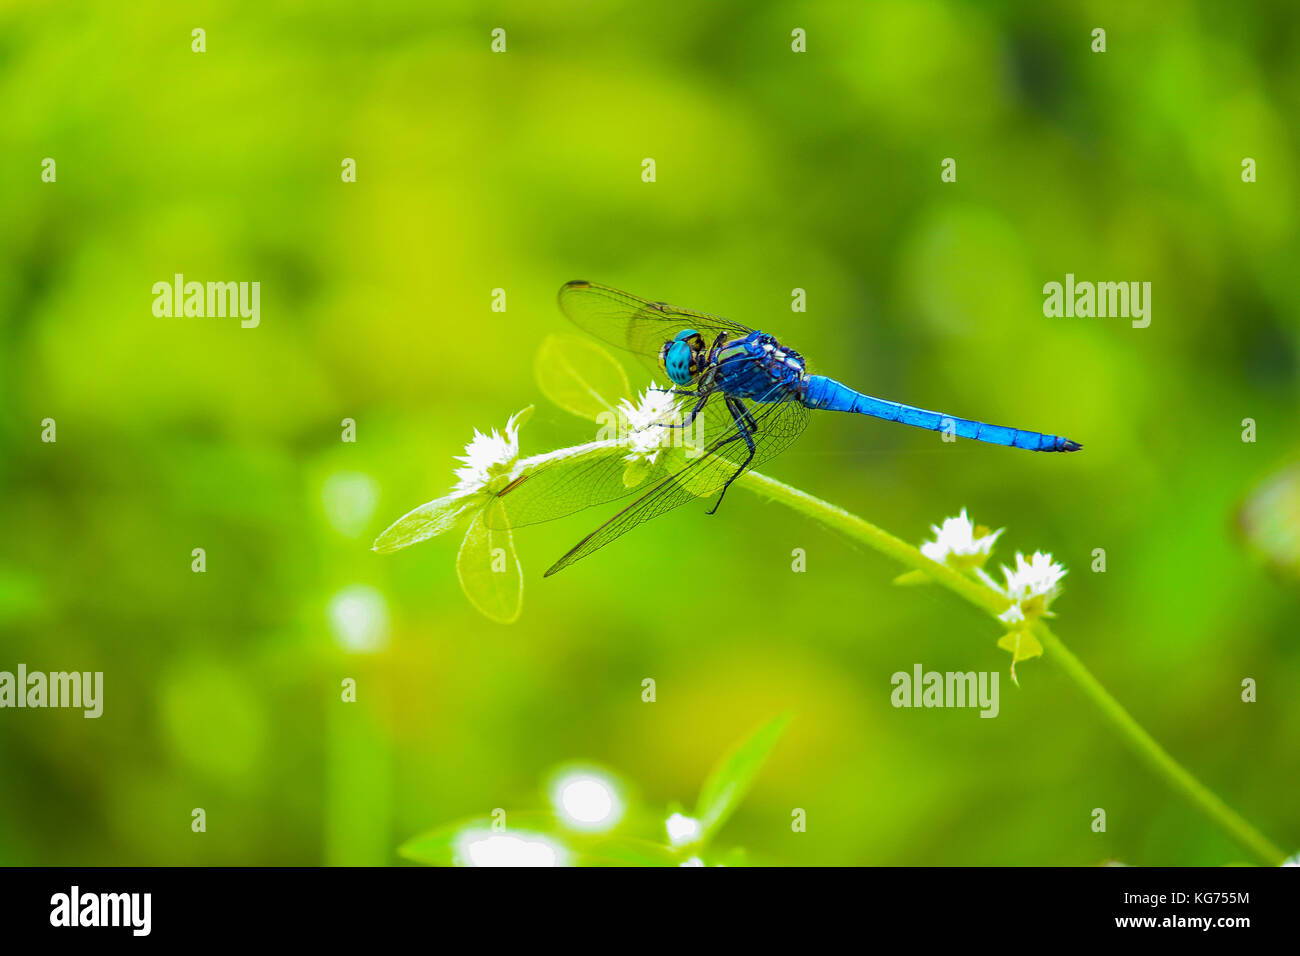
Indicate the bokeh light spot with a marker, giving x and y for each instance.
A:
(586, 800)
(349, 499)
(358, 617)
(682, 829)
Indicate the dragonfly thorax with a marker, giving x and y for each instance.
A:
(760, 368)
(684, 356)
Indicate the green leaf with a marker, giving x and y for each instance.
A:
(580, 376)
(908, 578)
(488, 567)
(520, 418)
(430, 519)
(625, 851)
(732, 777)
(736, 856)
(636, 472)
(1023, 645)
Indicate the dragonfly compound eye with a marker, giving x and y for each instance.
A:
(678, 356)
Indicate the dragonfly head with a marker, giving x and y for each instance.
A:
(684, 356)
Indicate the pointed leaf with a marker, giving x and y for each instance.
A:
(732, 777)
(625, 851)
(1023, 645)
(736, 856)
(488, 567)
(520, 418)
(908, 578)
(635, 472)
(430, 519)
(580, 376)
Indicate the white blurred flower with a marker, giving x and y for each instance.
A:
(586, 800)
(693, 861)
(1031, 587)
(485, 848)
(358, 616)
(349, 499)
(655, 407)
(960, 544)
(1292, 860)
(682, 830)
(1012, 615)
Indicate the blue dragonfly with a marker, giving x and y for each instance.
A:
(745, 397)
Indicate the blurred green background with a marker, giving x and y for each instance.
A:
(519, 170)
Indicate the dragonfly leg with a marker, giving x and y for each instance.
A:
(740, 415)
(692, 415)
(749, 419)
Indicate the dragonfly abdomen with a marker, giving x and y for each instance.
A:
(826, 393)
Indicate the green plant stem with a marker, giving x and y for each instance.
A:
(1200, 796)
(989, 600)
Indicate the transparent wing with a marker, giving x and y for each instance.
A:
(620, 462)
(553, 487)
(777, 424)
(635, 324)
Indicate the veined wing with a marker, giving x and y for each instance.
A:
(552, 486)
(635, 324)
(620, 462)
(778, 424)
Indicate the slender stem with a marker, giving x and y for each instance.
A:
(1179, 778)
(989, 600)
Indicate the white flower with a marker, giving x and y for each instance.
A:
(481, 847)
(1012, 615)
(644, 439)
(1040, 576)
(487, 467)
(682, 829)
(1031, 587)
(1292, 860)
(487, 456)
(959, 543)
(586, 800)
